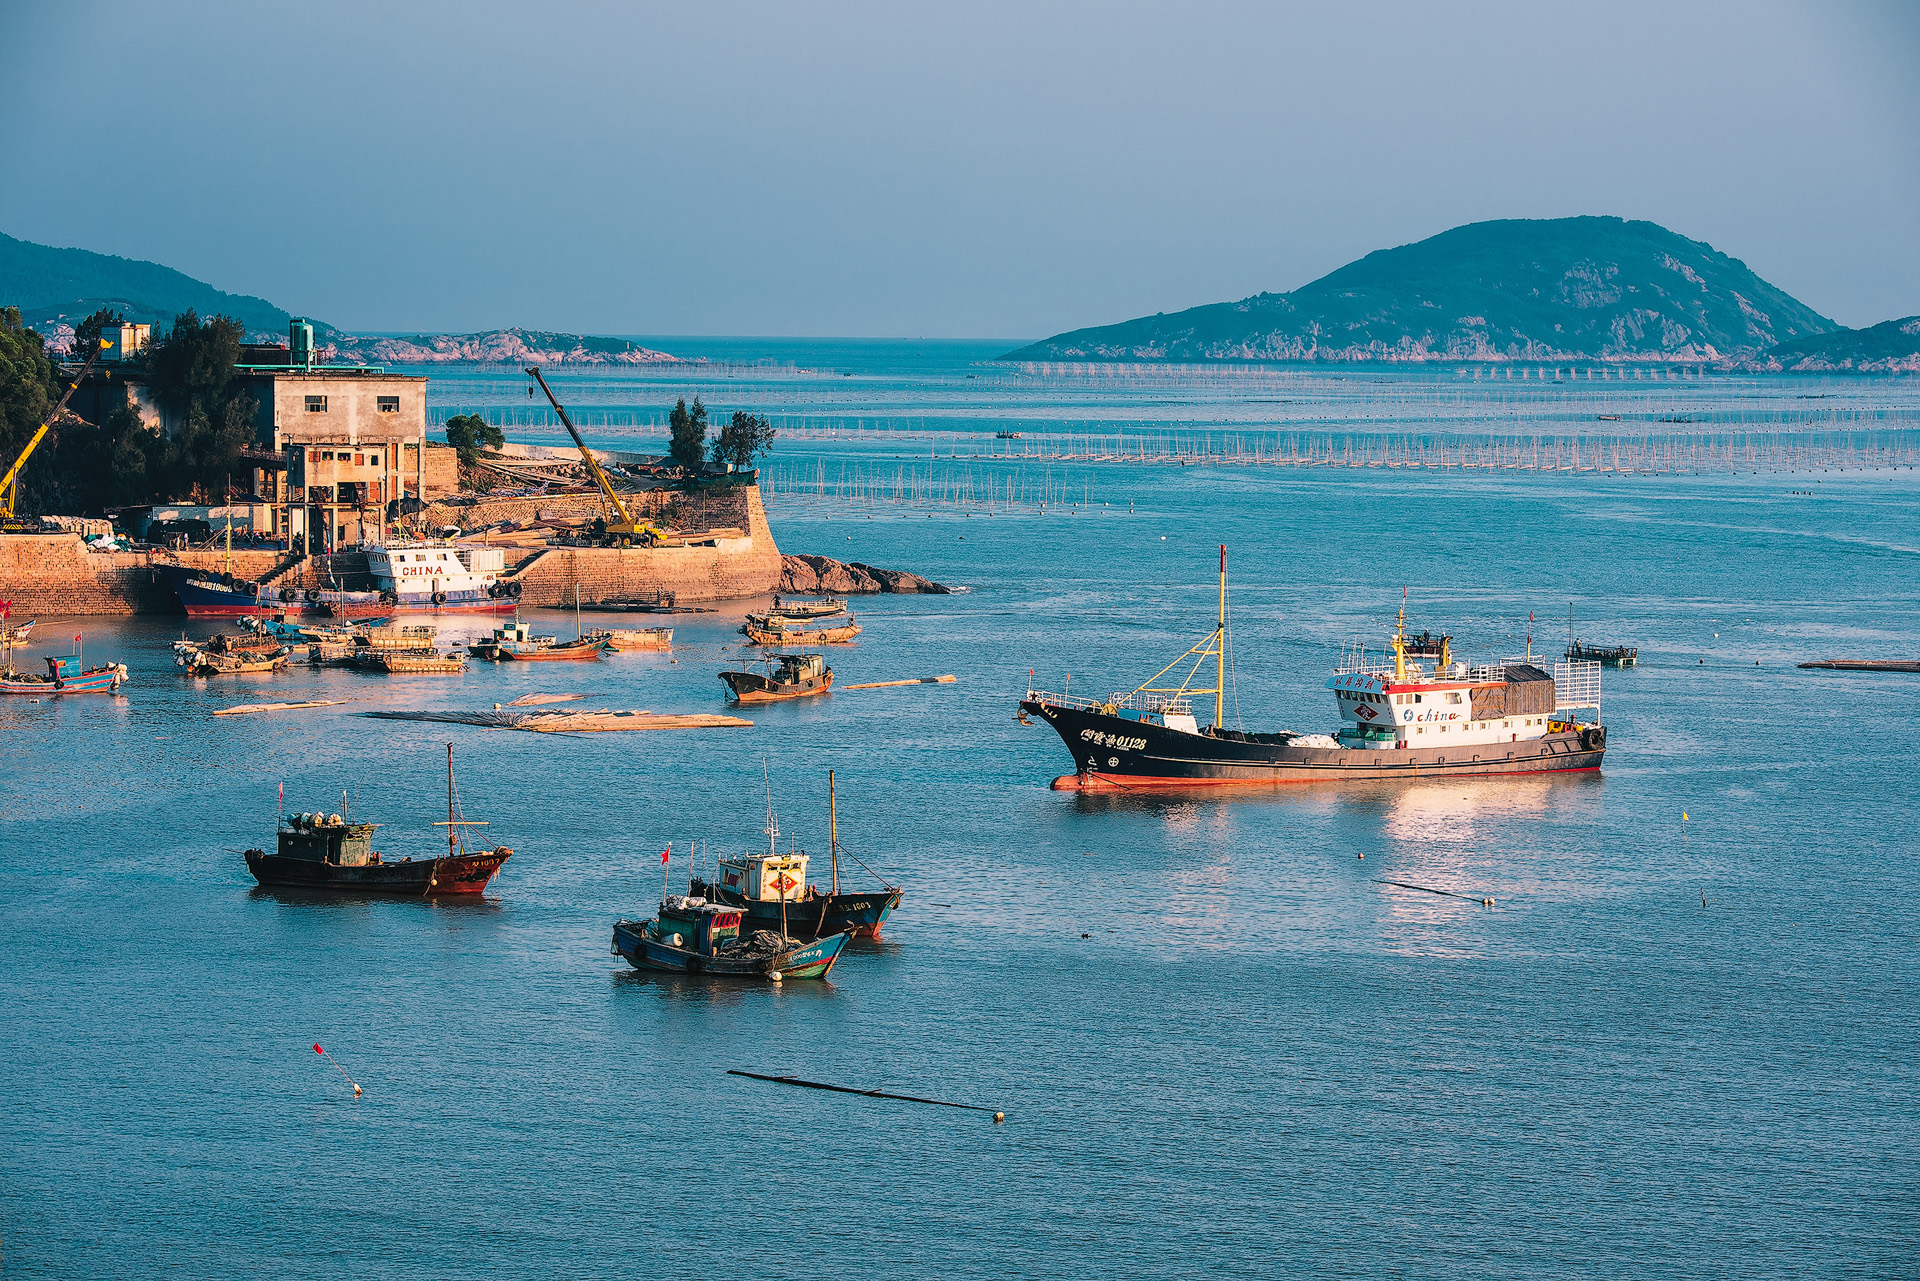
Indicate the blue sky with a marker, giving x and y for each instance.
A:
(982, 170)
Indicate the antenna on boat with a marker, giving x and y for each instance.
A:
(772, 829)
(455, 838)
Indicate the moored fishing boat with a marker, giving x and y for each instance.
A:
(1399, 720)
(769, 631)
(802, 610)
(781, 676)
(219, 594)
(621, 639)
(321, 851)
(771, 890)
(443, 576)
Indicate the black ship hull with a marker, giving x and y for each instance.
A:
(860, 914)
(462, 874)
(1113, 753)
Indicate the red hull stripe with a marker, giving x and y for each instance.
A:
(1118, 783)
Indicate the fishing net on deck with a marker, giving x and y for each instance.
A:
(759, 943)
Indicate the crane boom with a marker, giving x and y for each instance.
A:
(593, 464)
(9, 481)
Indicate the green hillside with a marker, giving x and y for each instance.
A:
(1564, 288)
(49, 284)
(1891, 347)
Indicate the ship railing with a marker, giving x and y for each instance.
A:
(1136, 701)
(1576, 685)
(1418, 671)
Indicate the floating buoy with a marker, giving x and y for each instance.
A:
(998, 1117)
(1362, 856)
(774, 975)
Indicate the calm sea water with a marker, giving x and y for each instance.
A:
(1222, 1044)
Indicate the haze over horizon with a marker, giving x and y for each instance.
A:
(1003, 172)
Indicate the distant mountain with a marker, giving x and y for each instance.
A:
(1555, 289)
(1892, 347)
(500, 346)
(55, 286)
(56, 289)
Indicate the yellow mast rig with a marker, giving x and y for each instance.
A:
(622, 529)
(11, 481)
(1214, 647)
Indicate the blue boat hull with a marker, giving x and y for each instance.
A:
(635, 941)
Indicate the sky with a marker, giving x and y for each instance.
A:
(983, 170)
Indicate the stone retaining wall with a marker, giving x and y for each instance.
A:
(55, 574)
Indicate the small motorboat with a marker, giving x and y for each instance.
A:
(693, 936)
(802, 610)
(516, 643)
(321, 851)
(781, 676)
(17, 633)
(65, 675)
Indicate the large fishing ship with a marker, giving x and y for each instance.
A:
(443, 576)
(1399, 719)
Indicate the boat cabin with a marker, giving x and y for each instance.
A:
(765, 878)
(328, 838)
(696, 925)
(795, 669)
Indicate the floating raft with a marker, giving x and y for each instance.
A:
(244, 708)
(1867, 664)
(602, 721)
(918, 680)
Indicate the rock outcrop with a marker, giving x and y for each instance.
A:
(825, 576)
(501, 346)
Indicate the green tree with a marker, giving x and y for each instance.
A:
(689, 428)
(194, 362)
(86, 335)
(27, 393)
(743, 438)
(191, 371)
(469, 434)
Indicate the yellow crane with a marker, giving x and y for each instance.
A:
(11, 481)
(622, 529)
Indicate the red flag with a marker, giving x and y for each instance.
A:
(665, 854)
(76, 640)
(318, 1050)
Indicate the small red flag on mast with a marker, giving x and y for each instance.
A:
(666, 853)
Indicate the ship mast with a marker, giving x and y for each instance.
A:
(1400, 639)
(1220, 648)
(833, 833)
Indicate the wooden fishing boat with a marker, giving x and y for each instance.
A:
(327, 852)
(199, 660)
(780, 634)
(410, 662)
(16, 634)
(694, 936)
(782, 676)
(771, 891)
(620, 639)
(583, 649)
(806, 609)
(65, 675)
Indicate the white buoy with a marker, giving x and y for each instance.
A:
(774, 975)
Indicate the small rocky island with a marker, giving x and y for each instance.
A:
(825, 576)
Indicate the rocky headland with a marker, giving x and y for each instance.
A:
(499, 346)
(825, 576)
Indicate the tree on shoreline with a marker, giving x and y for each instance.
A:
(689, 428)
(744, 438)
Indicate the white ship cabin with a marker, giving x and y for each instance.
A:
(1398, 704)
(424, 568)
(765, 878)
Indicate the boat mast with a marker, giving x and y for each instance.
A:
(1220, 649)
(1400, 639)
(833, 833)
(453, 833)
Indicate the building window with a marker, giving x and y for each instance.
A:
(316, 404)
(389, 404)
(359, 460)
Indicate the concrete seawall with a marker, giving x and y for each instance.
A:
(54, 574)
